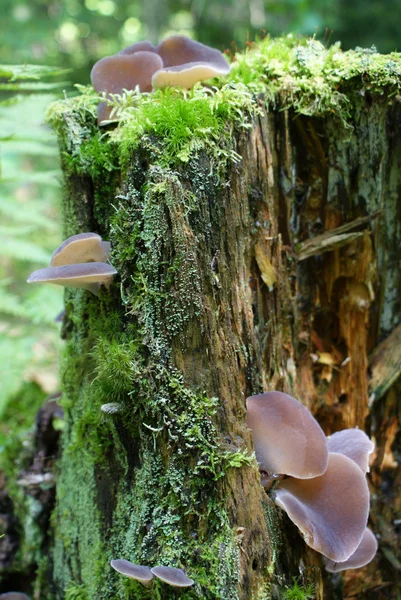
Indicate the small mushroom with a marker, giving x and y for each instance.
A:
(60, 317)
(331, 510)
(185, 62)
(113, 74)
(89, 276)
(81, 248)
(361, 557)
(288, 440)
(353, 443)
(14, 596)
(173, 576)
(129, 569)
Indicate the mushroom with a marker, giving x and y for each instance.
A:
(185, 62)
(145, 46)
(331, 510)
(14, 596)
(89, 276)
(129, 569)
(353, 443)
(111, 408)
(80, 248)
(113, 74)
(173, 576)
(288, 440)
(361, 557)
(176, 61)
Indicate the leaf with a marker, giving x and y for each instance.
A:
(267, 270)
(31, 213)
(15, 72)
(32, 86)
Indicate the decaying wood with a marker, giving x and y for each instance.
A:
(286, 276)
(385, 364)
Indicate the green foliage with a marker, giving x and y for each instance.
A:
(299, 592)
(76, 592)
(29, 232)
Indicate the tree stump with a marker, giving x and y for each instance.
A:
(255, 228)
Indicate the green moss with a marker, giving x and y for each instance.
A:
(291, 72)
(76, 592)
(299, 592)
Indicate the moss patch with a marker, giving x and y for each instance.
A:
(291, 72)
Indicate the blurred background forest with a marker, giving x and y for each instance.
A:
(72, 35)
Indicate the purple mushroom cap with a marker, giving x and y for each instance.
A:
(80, 248)
(129, 569)
(113, 74)
(361, 557)
(172, 576)
(288, 439)
(331, 510)
(89, 276)
(353, 443)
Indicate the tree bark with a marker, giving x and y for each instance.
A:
(278, 271)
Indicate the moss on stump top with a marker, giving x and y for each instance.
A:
(291, 73)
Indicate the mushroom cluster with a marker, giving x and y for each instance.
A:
(321, 482)
(170, 575)
(176, 61)
(79, 262)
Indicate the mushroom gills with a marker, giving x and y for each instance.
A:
(89, 276)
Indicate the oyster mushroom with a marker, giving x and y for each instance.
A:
(80, 248)
(331, 510)
(172, 576)
(113, 74)
(89, 276)
(14, 596)
(129, 569)
(361, 557)
(353, 443)
(288, 440)
(185, 62)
